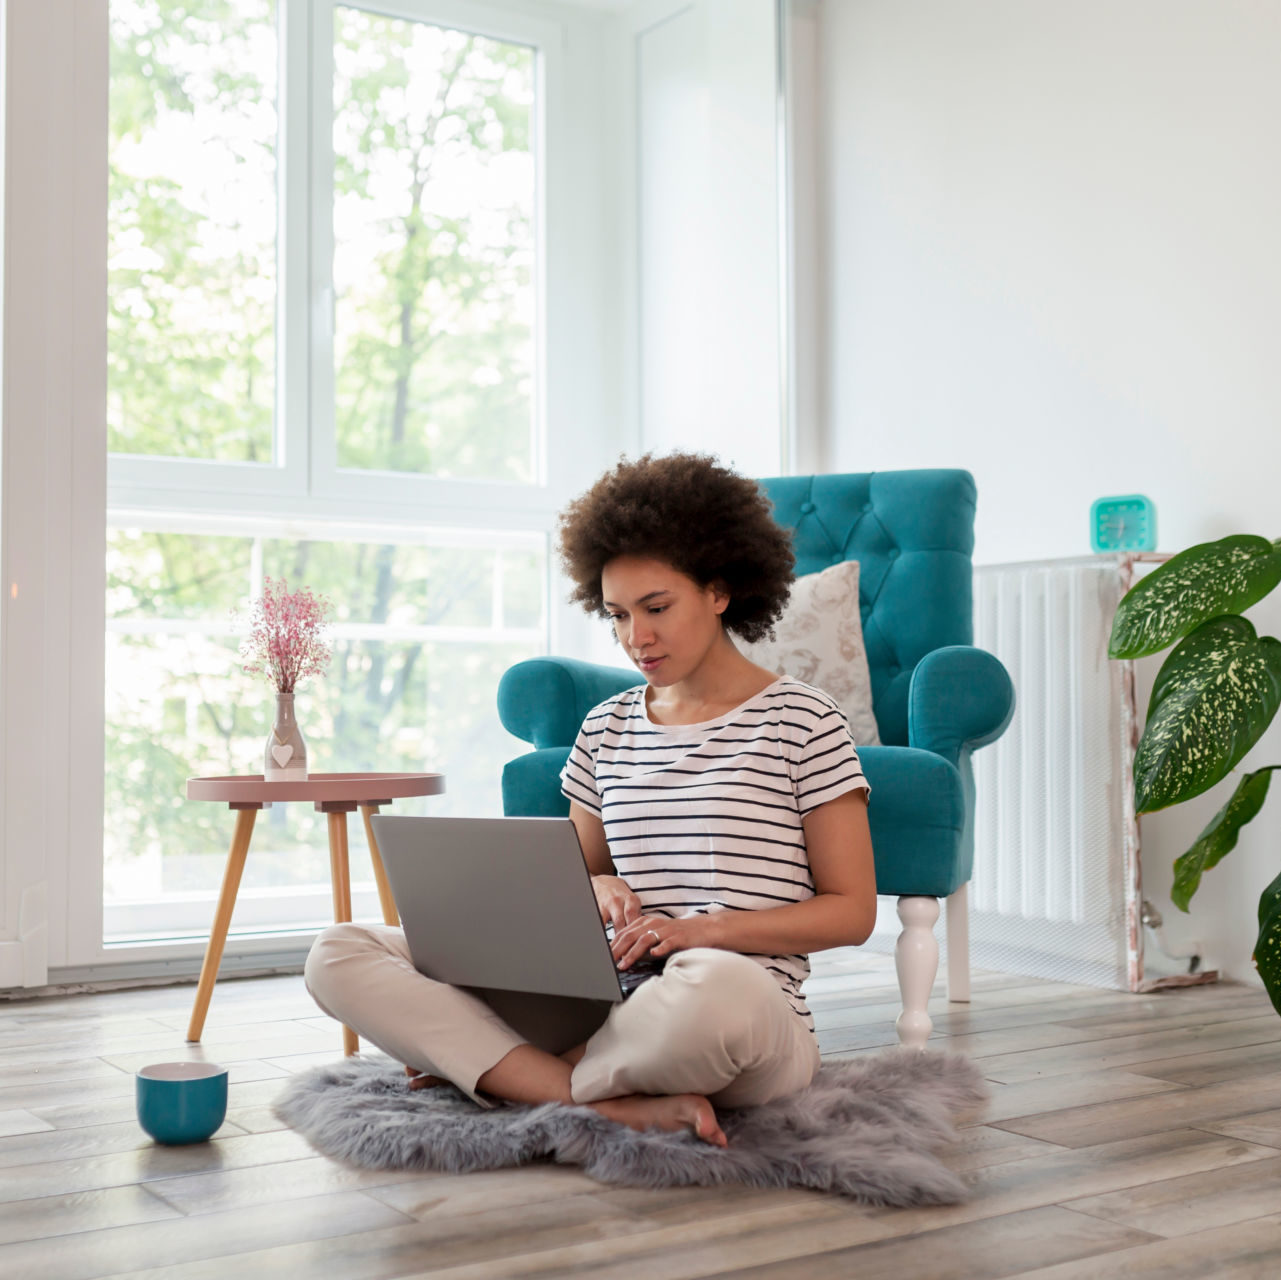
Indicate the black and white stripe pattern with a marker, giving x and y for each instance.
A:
(707, 817)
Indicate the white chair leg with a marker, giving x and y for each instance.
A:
(958, 946)
(916, 957)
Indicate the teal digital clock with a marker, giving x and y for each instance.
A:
(1123, 524)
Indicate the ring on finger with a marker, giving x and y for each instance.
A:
(653, 933)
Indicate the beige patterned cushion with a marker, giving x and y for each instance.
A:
(819, 639)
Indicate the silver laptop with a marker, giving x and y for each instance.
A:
(504, 907)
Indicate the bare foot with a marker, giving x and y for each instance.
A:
(683, 1110)
(421, 1080)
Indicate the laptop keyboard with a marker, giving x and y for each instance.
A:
(644, 969)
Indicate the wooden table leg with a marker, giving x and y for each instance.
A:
(222, 919)
(390, 915)
(339, 874)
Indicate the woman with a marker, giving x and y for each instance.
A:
(722, 814)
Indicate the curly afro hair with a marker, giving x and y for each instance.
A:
(708, 522)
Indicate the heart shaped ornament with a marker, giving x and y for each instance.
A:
(282, 755)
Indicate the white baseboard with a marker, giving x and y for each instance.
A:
(75, 980)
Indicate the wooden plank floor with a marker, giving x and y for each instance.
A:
(1127, 1136)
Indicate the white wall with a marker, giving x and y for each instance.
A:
(1052, 240)
(700, 227)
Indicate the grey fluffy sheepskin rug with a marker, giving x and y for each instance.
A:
(868, 1128)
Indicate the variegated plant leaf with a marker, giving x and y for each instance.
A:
(1267, 947)
(1270, 901)
(1202, 582)
(1220, 836)
(1214, 697)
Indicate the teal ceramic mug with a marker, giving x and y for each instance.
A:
(181, 1102)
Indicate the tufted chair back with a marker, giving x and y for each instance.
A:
(912, 533)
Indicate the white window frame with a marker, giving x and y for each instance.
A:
(58, 484)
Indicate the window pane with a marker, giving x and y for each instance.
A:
(434, 184)
(192, 229)
(420, 643)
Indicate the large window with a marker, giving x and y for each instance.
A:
(325, 365)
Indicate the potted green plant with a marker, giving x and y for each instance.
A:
(1214, 697)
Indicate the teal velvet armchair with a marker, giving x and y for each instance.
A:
(937, 699)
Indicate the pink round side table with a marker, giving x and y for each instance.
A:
(333, 794)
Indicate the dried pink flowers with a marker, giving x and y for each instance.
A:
(285, 635)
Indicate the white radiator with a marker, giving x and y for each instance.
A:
(1055, 891)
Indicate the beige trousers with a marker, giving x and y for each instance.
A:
(713, 1022)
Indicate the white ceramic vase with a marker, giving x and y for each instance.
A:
(285, 757)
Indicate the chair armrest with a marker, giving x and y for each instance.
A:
(531, 785)
(959, 698)
(545, 700)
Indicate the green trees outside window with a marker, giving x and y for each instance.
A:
(433, 250)
(433, 217)
(191, 226)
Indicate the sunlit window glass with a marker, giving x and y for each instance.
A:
(192, 229)
(434, 195)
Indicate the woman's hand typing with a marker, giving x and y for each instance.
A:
(618, 905)
(660, 936)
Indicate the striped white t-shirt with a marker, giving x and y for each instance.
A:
(707, 817)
